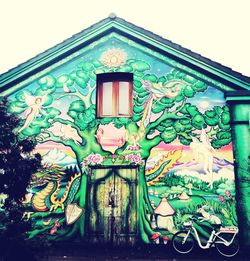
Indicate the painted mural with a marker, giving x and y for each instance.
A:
(178, 140)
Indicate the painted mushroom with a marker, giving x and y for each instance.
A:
(184, 196)
(165, 239)
(155, 238)
(164, 215)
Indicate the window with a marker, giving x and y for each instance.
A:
(114, 94)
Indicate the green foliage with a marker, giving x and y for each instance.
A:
(80, 115)
(47, 82)
(169, 134)
(229, 186)
(199, 86)
(222, 138)
(151, 77)
(211, 117)
(189, 91)
(139, 65)
(119, 122)
(17, 164)
(76, 106)
(15, 160)
(87, 66)
(191, 109)
(171, 180)
(198, 121)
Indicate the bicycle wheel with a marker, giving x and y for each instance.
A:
(230, 250)
(182, 242)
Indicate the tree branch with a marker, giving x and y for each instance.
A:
(51, 137)
(166, 115)
(85, 99)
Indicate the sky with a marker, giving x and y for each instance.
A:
(216, 29)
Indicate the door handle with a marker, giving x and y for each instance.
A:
(111, 198)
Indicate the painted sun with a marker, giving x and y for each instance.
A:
(204, 105)
(113, 58)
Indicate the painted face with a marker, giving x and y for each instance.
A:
(38, 100)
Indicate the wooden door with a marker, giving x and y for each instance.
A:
(112, 206)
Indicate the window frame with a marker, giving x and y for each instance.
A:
(114, 78)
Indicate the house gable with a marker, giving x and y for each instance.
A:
(187, 61)
(173, 153)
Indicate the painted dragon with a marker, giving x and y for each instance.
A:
(49, 197)
(54, 193)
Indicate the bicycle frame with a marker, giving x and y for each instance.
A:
(213, 237)
(224, 241)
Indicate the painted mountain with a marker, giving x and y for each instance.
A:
(221, 169)
(56, 156)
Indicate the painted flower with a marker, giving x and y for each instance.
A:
(113, 157)
(114, 57)
(228, 194)
(134, 158)
(221, 199)
(94, 159)
(137, 159)
(84, 164)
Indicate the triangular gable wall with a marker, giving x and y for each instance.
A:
(191, 63)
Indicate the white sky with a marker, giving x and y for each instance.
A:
(216, 29)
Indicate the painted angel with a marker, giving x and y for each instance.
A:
(35, 104)
(203, 150)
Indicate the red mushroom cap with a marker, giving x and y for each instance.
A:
(155, 236)
(166, 238)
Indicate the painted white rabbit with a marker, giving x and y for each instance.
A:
(213, 219)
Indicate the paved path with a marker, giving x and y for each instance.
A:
(158, 253)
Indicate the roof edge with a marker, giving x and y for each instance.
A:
(40, 62)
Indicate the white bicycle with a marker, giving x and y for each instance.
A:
(224, 239)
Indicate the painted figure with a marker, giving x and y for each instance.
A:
(202, 151)
(35, 104)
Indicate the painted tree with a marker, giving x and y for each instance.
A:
(161, 113)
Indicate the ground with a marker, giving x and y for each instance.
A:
(145, 252)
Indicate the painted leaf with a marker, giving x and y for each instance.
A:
(47, 80)
(82, 82)
(198, 121)
(52, 112)
(62, 79)
(140, 66)
(169, 135)
(77, 106)
(20, 96)
(184, 140)
(17, 107)
(178, 126)
(87, 66)
(189, 79)
(188, 91)
(199, 86)
(150, 77)
(225, 118)
(192, 110)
